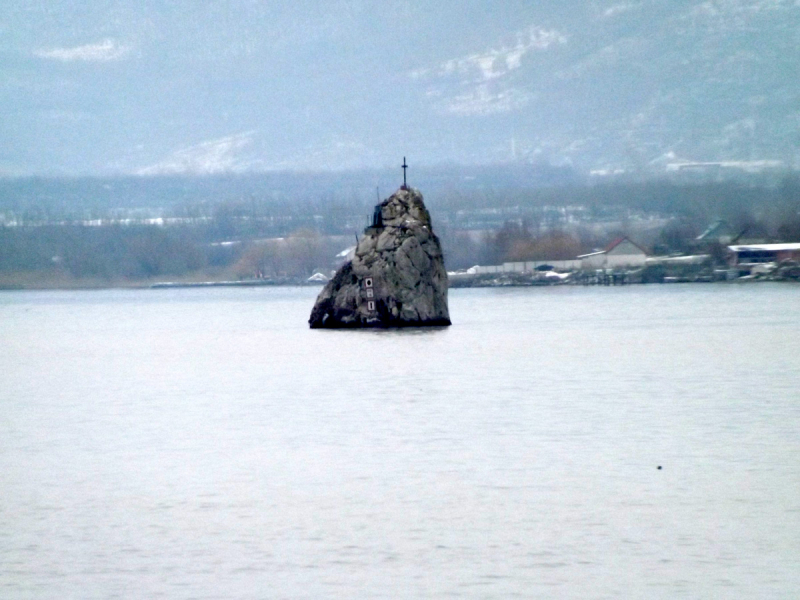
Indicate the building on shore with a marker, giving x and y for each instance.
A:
(620, 253)
(529, 266)
(754, 254)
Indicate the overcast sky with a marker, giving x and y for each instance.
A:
(150, 86)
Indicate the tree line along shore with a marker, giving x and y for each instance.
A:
(46, 242)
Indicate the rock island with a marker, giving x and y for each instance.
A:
(397, 276)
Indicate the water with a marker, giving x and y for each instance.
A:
(206, 444)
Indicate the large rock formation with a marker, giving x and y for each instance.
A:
(396, 277)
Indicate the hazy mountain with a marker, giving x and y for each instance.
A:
(149, 86)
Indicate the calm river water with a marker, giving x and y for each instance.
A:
(204, 443)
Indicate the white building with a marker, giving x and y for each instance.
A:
(529, 266)
(752, 254)
(620, 253)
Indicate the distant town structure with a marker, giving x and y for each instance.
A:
(745, 166)
(719, 232)
(754, 254)
(621, 252)
(528, 266)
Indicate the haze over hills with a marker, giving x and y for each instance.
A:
(151, 87)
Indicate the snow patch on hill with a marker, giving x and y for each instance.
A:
(209, 157)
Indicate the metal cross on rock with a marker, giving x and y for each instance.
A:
(405, 166)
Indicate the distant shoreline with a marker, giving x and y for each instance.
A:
(455, 283)
(27, 281)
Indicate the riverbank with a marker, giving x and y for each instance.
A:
(61, 281)
(787, 271)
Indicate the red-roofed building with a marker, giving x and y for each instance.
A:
(620, 253)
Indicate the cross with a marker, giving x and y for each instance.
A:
(405, 166)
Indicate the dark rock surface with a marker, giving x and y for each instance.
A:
(397, 277)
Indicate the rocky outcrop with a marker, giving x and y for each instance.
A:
(396, 277)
